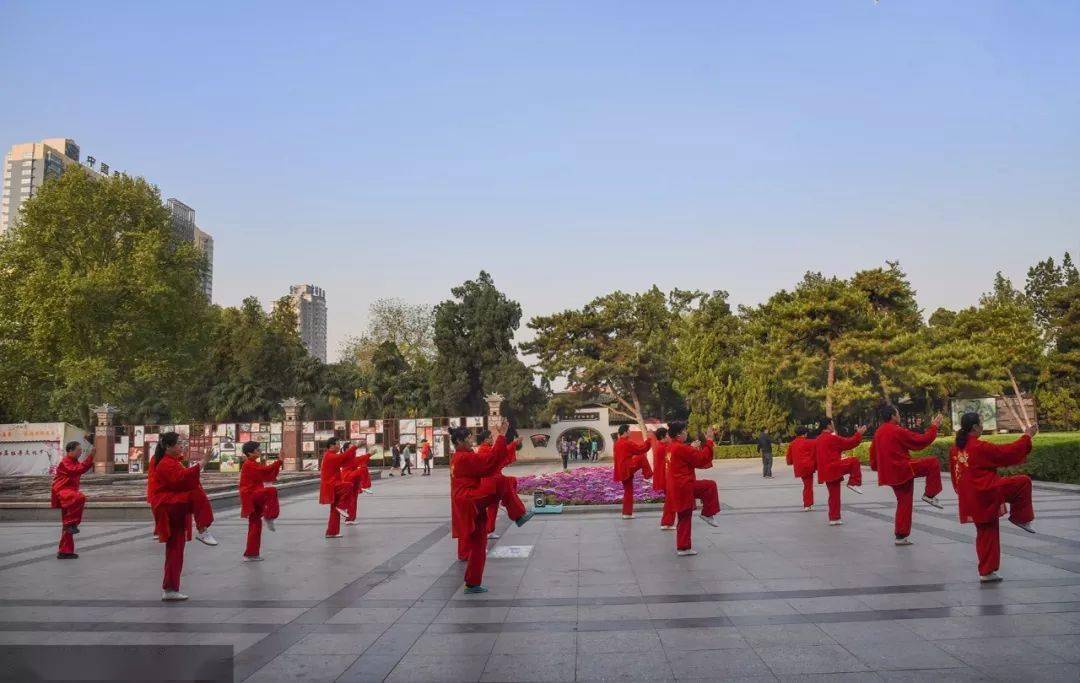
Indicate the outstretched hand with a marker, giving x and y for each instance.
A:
(1032, 430)
(860, 430)
(499, 426)
(710, 434)
(937, 420)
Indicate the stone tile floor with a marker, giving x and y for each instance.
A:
(775, 594)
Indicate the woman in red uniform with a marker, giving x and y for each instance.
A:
(353, 472)
(832, 466)
(683, 486)
(890, 455)
(659, 480)
(983, 494)
(472, 490)
(67, 497)
(513, 443)
(629, 458)
(800, 454)
(332, 490)
(258, 502)
(172, 492)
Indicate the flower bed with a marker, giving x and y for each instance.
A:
(586, 486)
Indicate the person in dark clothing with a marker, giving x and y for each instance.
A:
(406, 460)
(764, 446)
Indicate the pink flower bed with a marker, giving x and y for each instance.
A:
(587, 486)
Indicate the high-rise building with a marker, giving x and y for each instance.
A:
(28, 165)
(309, 302)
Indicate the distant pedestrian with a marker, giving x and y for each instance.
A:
(425, 456)
(764, 446)
(406, 460)
(564, 451)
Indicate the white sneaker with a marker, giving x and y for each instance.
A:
(808, 508)
(835, 522)
(368, 491)
(992, 577)
(933, 501)
(1026, 526)
(856, 489)
(627, 516)
(333, 535)
(493, 536)
(343, 513)
(684, 553)
(173, 596)
(666, 527)
(711, 521)
(903, 541)
(352, 522)
(269, 524)
(206, 537)
(253, 558)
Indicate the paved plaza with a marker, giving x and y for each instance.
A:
(775, 594)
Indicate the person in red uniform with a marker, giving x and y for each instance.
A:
(513, 443)
(890, 455)
(353, 473)
(425, 457)
(683, 486)
(174, 496)
(473, 488)
(800, 455)
(629, 458)
(659, 480)
(832, 467)
(983, 494)
(333, 491)
(67, 496)
(258, 502)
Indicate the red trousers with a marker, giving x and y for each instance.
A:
(174, 547)
(201, 509)
(493, 509)
(476, 543)
(342, 494)
(72, 504)
(705, 491)
(265, 506)
(354, 493)
(1016, 491)
(905, 493)
(640, 462)
(463, 549)
(808, 490)
(667, 517)
(853, 469)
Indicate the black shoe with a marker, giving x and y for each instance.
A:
(67, 556)
(72, 528)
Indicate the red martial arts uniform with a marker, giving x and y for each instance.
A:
(832, 467)
(659, 481)
(67, 497)
(173, 496)
(354, 471)
(257, 501)
(983, 494)
(890, 456)
(473, 488)
(333, 491)
(800, 453)
(629, 458)
(493, 509)
(683, 488)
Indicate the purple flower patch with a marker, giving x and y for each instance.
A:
(587, 486)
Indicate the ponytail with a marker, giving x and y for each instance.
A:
(968, 422)
(167, 440)
(459, 435)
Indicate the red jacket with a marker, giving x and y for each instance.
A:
(253, 474)
(890, 452)
(171, 483)
(470, 473)
(150, 481)
(828, 449)
(975, 478)
(511, 453)
(67, 476)
(625, 450)
(330, 472)
(355, 468)
(425, 452)
(803, 457)
(680, 462)
(659, 455)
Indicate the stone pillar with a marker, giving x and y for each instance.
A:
(104, 439)
(494, 402)
(291, 456)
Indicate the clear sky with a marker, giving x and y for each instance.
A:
(573, 148)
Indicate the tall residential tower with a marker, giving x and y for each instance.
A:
(309, 302)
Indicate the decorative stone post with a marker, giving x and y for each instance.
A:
(104, 439)
(494, 402)
(292, 459)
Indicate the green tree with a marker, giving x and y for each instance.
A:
(101, 303)
(410, 327)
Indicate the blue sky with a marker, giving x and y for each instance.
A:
(574, 148)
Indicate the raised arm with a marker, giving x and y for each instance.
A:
(1006, 455)
(702, 458)
(178, 478)
(849, 442)
(640, 449)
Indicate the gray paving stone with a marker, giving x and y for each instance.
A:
(994, 652)
(559, 644)
(603, 642)
(367, 615)
(848, 633)
(1065, 647)
(303, 668)
(804, 634)
(529, 667)
(678, 640)
(881, 655)
(438, 668)
(808, 659)
(718, 664)
(454, 644)
(333, 644)
(627, 665)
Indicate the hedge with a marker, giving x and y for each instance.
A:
(1055, 457)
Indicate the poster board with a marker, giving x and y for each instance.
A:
(35, 448)
(985, 407)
